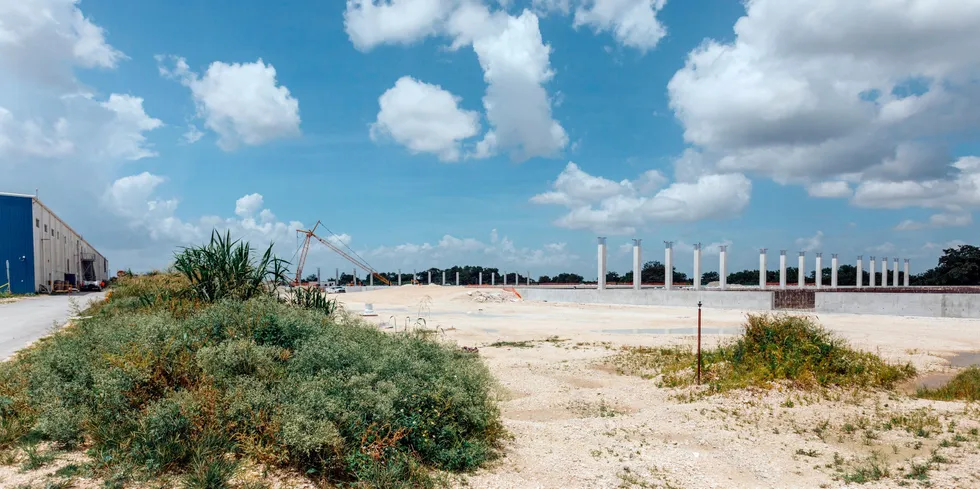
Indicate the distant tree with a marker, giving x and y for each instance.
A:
(568, 278)
(653, 272)
(612, 278)
(310, 278)
(708, 277)
(957, 266)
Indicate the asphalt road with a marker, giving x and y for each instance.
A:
(24, 321)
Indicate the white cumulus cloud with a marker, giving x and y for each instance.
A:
(424, 118)
(242, 102)
(609, 207)
(633, 23)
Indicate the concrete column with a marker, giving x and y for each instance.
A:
(818, 274)
(782, 269)
(860, 272)
(399, 277)
(528, 276)
(637, 264)
(873, 270)
(723, 267)
(336, 278)
(895, 274)
(493, 278)
(443, 277)
(668, 265)
(430, 277)
(480, 278)
(355, 276)
(833, 270)
(602, 263)
(906, 281)
(504, 275)
(801, 270)
(457, 279)
(517, 279)
(762, 268)
(371, 279)
(697, 266)
(884, 272)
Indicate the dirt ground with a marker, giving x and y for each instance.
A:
(576, 423)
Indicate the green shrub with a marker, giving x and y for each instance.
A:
(965, 386)
(227, 269)
(772, 348)
(156, 393)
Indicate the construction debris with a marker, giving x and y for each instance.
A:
(478, 296)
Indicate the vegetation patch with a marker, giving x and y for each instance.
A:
(965, 386)
(773, 348)
(512, 344)
(187, 375)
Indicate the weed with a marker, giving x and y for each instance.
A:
(772, 348)
(70, 470)
(35, 460)
(808, 453)
(964, 386)
(918, 471)
(873, 468)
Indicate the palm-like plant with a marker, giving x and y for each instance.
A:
(226, 268)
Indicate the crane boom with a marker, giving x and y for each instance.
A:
(306, 248)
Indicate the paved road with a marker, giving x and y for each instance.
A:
(26, 320)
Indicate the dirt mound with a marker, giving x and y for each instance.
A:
(482, 296)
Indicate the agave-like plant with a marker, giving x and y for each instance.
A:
(225, 268)
(313, 298)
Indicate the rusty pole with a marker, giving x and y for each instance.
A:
(699, 342)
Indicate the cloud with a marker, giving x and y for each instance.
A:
(618, 208)
(451, 250)
(943, 220)
(424, 118)
(370, 23)
(960, 191)
(812, 243)
(242, 102)
(248, 205)
(633, 23)
(192, 135)
(869, 92)
(34, 33)
(831, 189)
(514, 58)
(127, 139)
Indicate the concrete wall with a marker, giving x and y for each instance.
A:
(365, 288)
(907, 304)
(747, 300)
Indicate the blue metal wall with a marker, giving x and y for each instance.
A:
(17, 243)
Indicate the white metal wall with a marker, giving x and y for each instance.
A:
(58, 250)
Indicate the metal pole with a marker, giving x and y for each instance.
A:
(10, 288)
(699, 342)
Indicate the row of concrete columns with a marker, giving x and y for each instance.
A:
(493, 278)
(723, 268)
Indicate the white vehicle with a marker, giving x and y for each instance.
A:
(335, 290)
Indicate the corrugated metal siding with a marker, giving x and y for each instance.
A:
(17, 243)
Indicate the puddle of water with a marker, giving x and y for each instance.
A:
(965, 359)
(670, 331)
(930, 381)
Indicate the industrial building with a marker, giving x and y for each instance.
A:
(41, 253)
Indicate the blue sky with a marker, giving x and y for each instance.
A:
(681, 127)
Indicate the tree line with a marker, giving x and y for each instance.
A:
(958, 265)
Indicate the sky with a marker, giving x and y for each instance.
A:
(504, 133)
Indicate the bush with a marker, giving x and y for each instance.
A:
(256, 378)
(772, 348)
(965, 386)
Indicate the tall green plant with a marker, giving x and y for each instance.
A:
(225, 268)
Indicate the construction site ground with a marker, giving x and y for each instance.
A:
(576, 423)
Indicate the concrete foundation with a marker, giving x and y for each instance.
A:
(748, 300)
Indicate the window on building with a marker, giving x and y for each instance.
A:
(37, 222)
(67, 265)
(45, 228)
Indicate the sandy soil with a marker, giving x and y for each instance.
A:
(577, 424)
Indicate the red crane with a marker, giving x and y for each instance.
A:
(358, 262)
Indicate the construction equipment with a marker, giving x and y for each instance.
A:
(358, 261)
